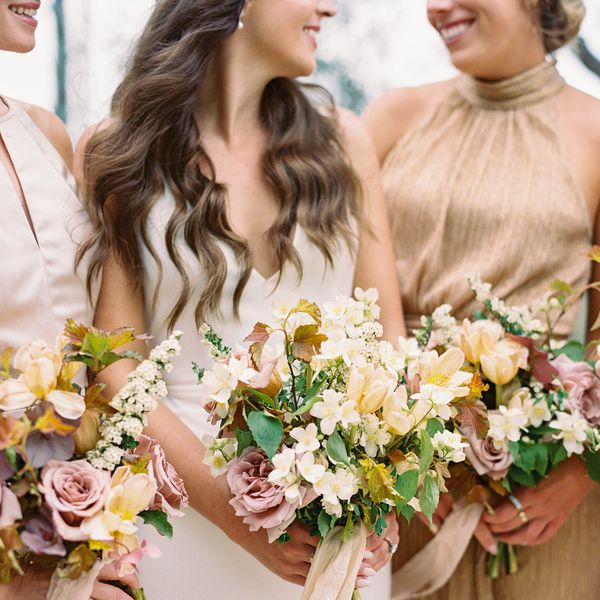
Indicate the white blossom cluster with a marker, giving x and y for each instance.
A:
(139, 396)
(219, 451)
(520, 316)
(443, 325)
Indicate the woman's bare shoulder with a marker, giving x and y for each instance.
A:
(393, 114)
(53, 128)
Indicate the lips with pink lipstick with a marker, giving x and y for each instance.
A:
(25, 12)
(455, 31)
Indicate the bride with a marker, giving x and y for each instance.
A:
(219, 185)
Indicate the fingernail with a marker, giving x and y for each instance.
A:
(369, 572)
(363, 583)
(493, 549)
(368, 554)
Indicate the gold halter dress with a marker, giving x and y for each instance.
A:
(483, 187)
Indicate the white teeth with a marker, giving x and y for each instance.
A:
(454, 31)
(19, 10)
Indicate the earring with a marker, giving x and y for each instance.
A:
(240, 24)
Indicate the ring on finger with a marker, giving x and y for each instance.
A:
(391, 546)
(523, 516)
(520, 510)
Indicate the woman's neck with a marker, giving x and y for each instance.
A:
(229, 104)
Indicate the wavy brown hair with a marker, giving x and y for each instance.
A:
(153, 144)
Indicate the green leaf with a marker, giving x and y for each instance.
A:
(11, 455)
(109, 358)
(434, 426)
(267, 431)
(407, 485)
(573, 349)
(131, 354)
(348, 530)
(337, 449)
(262, 397)
(430, 496)
(324, 523)
(522, 478)
(426, 451)
(159, 521)
(244, 440)
(408, 512)
(311, 397)
(541, 459)
(95, 344)
(592, 461)
(558, 453)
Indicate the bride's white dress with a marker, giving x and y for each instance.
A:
(201, 562)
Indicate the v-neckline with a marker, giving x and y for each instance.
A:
(13, 177)
(268, 279)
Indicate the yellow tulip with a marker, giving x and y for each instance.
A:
(502, 364)
(369, 387)
(478, 338)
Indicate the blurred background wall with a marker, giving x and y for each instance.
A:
(372, 45)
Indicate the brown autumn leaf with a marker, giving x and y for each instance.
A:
(463, 478)
(478, 494)
(497, 487)
(473, 416)
(260, 334)
(307, 342)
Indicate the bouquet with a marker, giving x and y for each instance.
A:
(543, 398)
(76, 473)
(324, 423)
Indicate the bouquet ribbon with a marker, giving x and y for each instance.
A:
(74, 589)
(431, 568)
(335, 565)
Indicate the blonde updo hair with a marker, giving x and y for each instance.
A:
(560, 21)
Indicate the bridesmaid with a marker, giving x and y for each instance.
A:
(42, 221)
(219, 187)
(496, 172)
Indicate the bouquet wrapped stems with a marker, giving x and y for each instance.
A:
(507, 556)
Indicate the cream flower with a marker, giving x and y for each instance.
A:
(442, 380)
(506, 424)
(399, 417)
(310, 470)
(449, 446)
(572, 431)
(40, 368)
(501, 364)
(369, 387)
(536, 412)
(333, 409)
(306, 438)
(478, 338)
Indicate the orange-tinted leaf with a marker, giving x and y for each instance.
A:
(497, 487)
(120, 337)
(472, 415)
(463, 478)
(477, 386)
(478, 494)
(260, 334)
(49, 422)
(307, 342)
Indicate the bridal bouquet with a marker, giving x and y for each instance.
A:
(322, 422)
(543, 398)
(76, 473)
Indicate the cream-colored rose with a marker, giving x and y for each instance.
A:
(478, 338)
(502, 364)
(370, 387)
(400, 418)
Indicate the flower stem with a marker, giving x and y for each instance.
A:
(356, 595)
(494, 563)
(513, 561)
(498, 395)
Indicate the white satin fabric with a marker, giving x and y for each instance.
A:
(201, 562)
(39, 289)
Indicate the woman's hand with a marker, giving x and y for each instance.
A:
(106, 591)
(546, 506)
(378, 552)
(290, 561)
(31, 586)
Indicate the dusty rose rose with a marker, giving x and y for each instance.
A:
(486, 458)
(171, 495)
(73, 491)
(579, 379)
(10, 508)
(261, 503)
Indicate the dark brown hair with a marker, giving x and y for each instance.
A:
(153, 143)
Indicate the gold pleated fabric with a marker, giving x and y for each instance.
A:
(483, 187)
